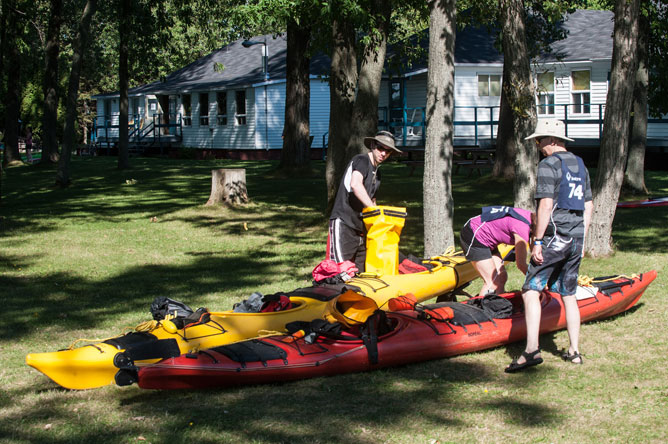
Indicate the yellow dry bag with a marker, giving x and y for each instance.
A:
(383, 229)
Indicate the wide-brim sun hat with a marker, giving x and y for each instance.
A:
(384, 138)
(550, 128)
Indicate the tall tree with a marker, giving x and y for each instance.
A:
(296, 152)
(364, 114)
(365, 108)
(518, 88)
(657, 48)
(439, 148)
(13, 88)
(69, 133)
(504, 157)
(298, 18)
(614, 142)
(634, 176)
(124, 35)
(541, 26)
(50, 116)
(342, 85)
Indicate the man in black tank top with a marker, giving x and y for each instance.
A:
(357, 191)
(563, 194)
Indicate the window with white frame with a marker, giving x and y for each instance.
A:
(581, 92)
(545, 93)
(240, 114)
(187, 109)
(489, 85)
(204, 109)
(221, 99)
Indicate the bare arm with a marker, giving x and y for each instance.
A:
(357, 186)
(521, 253)
(589, 209)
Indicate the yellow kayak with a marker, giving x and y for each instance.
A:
(114, 360)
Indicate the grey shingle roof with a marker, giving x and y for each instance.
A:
(242, 68)
(589, 38)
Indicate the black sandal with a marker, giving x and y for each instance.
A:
(530, 360)
(572, 357)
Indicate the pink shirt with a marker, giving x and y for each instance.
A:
(501, 231)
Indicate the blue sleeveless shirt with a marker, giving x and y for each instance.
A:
(572, 186)
(498, 211)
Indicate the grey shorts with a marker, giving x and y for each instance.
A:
(560, 267)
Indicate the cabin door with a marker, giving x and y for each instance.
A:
(164, 113)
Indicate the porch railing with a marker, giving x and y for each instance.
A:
(481, 122)
(138, 128)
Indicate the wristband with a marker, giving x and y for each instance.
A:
(538, 242)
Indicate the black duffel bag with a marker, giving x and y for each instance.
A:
(162, 306)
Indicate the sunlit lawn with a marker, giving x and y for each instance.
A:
(87, 261)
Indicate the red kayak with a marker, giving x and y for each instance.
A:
(429, 332)
(657, 202)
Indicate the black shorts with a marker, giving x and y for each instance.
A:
(560, 267)
(346, 244)
(474, 250)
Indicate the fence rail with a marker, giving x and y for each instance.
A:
(481, 122)
(139, 128)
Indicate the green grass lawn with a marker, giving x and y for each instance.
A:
(87, 261)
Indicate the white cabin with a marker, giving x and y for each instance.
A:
(225, 103)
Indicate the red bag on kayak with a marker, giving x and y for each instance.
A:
(330, 269)
(276, 303)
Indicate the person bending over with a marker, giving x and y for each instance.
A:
(481, 236)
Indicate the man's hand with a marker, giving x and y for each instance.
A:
(537, 254)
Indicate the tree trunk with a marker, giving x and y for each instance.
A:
(13, 93)
(124, 20)
(365, 110)
(228, 186)
(612, 156)
(84, 124)
(342, 84)
(50, 117)
(504, 158)
(6, 10)
(437, 186)
(634, 178)
(519, 90)
(3, 45)
(296, 153)
(69, 133)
